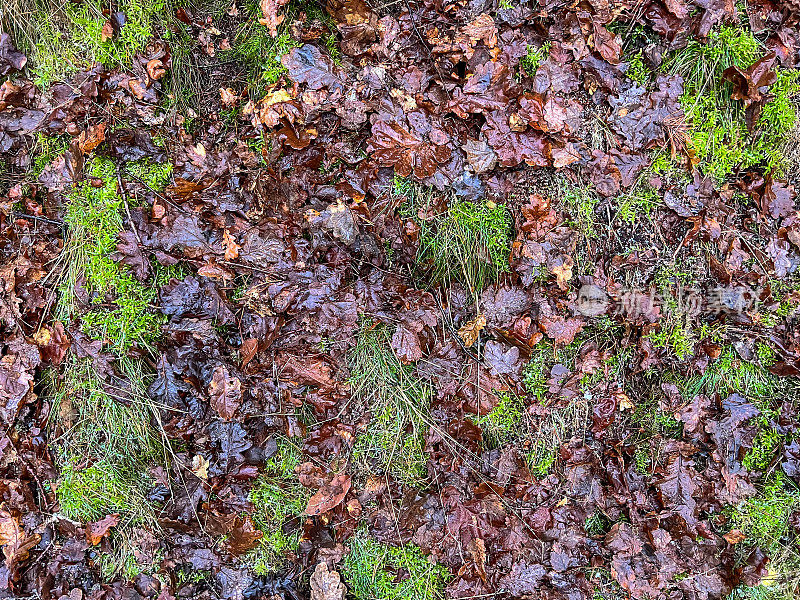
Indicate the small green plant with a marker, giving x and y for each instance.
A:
(654, 421)
(47, 149)
(278, 498)
(535, 56)
(502, 424)
(765, 445)
(260, 53)
(155, 176)
(597, 524)
(643, 460)
(398, 402)
(543, 357)
(542, 456)
(640, 200)
(637, 70)
(678, 331)
(373, 570)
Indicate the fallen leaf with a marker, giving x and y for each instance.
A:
(248, 351)
(200, 466)
(97, 530)
(734, 536)
(16, 543)
(562, 269)
(329, 495)
(107, 32)
(92, 138)
(231, 247)
(271, 18)
(155, 69)
(226, 393)
(228, 96)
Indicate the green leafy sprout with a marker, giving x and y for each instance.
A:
(529, 63)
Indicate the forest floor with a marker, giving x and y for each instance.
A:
(399, 300)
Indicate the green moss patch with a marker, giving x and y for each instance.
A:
(718, 131)
(65, 37)
(278, 502)
(121, 308)
(372, 570)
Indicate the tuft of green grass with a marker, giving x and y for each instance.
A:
(547, 436)
(764, 519)
(104, 422)
(655, 422)
(765, 446)
(468, 243)
(597, 524)
(398, 400)
(718, 132)
(678, 331)
(279, 500)
(373, 570)
(529, 63)
(93, 492)
(730, 374)
(108, 434)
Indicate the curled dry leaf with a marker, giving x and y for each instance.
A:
(228, 96)
(200, 466)
(155, 69)
(471, 330)
(15, 542)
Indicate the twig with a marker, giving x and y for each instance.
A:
(19, 215)
(127, 209)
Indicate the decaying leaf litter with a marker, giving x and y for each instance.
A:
(403, 300)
